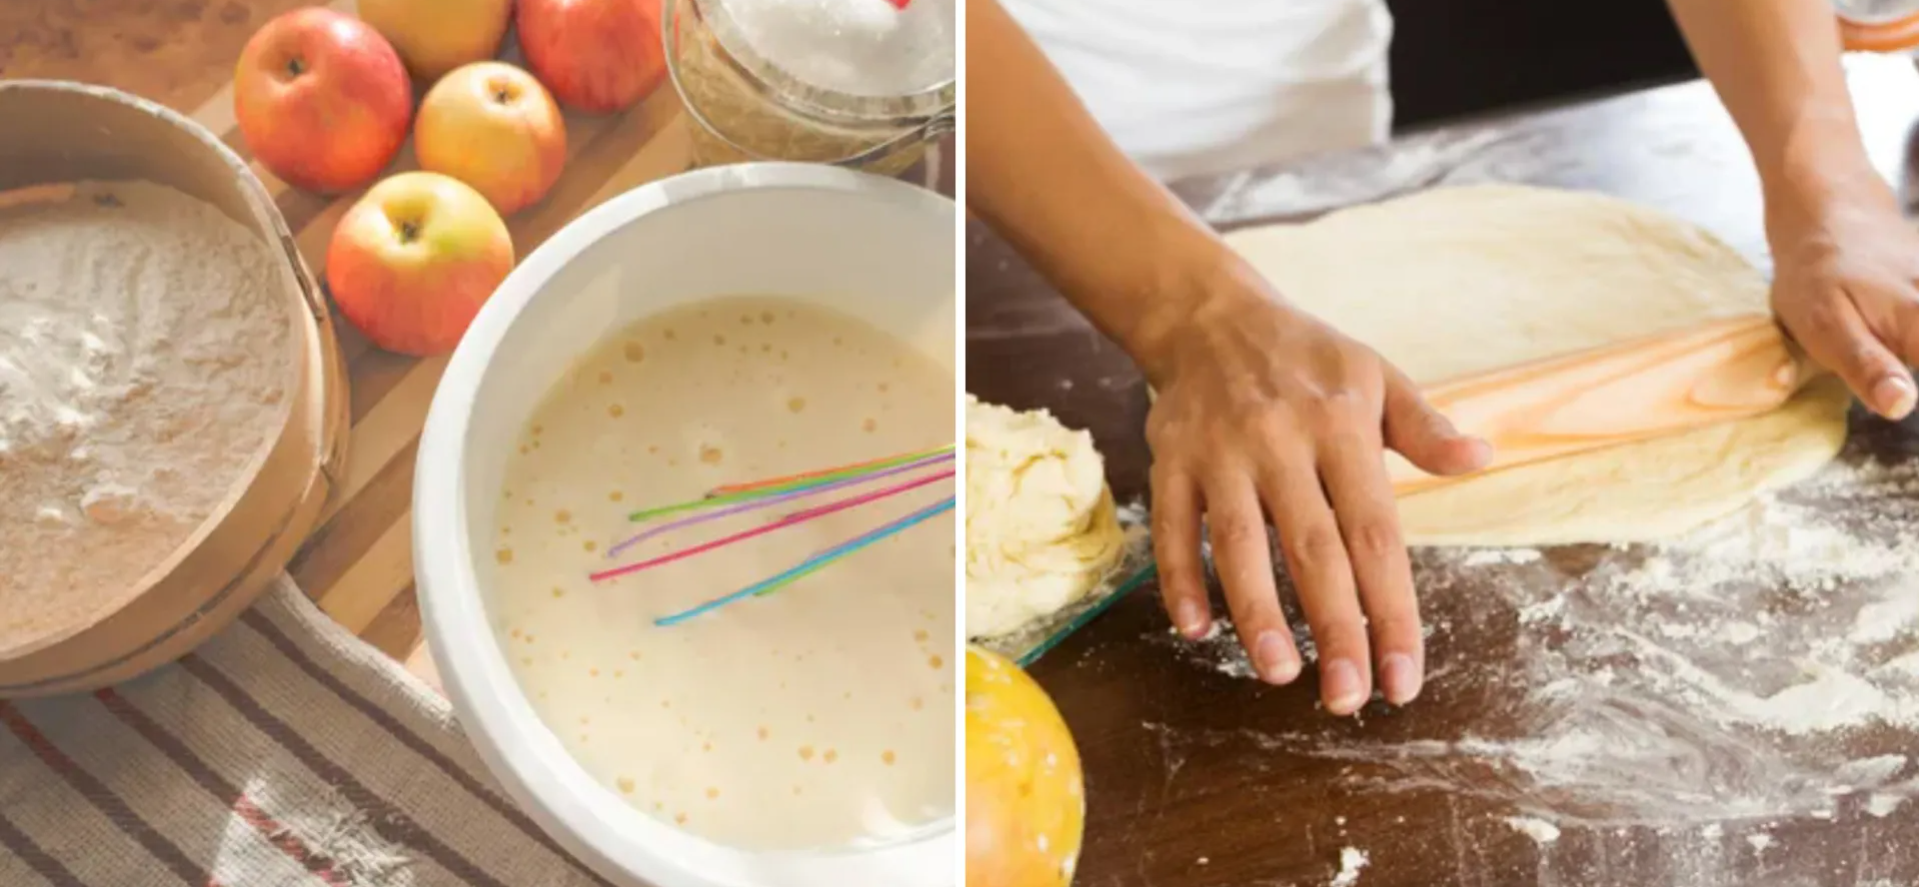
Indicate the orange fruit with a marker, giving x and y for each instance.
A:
(1025, 793)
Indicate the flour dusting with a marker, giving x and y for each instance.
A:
(1351, 860)
(1218, 649)
(1533, 827)
(1743, 673)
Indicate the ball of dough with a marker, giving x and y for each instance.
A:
(1041, 528)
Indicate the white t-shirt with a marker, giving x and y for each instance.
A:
(1190, 87)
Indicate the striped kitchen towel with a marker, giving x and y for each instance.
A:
(283, 752)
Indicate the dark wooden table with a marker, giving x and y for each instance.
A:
(1197, 778)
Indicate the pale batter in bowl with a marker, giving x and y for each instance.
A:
(818, 716)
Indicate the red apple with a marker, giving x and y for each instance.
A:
(598, 56)
(414, 259)
(1025, 796)
(436, 36)
(322, 99)
(492, 126)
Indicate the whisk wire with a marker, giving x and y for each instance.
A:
(812, 564)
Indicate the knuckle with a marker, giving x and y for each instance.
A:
(1320, 417)
(1338, 401)
(1315, 549)
(1375, 540)
(1867, 357)
(1819, 320)
(1184, 582)
(1170, 540)
(1341, 412)
(1162, 430)
(1253, 614)
(1909, 341)
(1237, 532)
(1810, 313)
(1269, 425)
(1396, 623)
(1338, 636)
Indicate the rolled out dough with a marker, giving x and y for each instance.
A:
(1456, 281)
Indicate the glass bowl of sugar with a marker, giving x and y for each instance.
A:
(865, 84)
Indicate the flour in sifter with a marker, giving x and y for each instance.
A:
(144, 359)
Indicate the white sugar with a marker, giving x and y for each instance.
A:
(861, 47)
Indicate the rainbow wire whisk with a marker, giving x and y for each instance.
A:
(906, 472)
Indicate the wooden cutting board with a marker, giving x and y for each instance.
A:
(358, 564)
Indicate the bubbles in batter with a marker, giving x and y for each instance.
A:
(813, 717)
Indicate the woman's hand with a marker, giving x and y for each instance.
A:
(1846, 286)
(1265, 413)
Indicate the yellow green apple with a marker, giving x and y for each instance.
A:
(414, 259)
(492, 126)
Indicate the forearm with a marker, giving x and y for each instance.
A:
(1776, 66)
(1048, 179)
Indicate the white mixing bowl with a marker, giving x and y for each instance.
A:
(876, 248)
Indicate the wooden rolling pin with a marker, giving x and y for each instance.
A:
(1617, 394)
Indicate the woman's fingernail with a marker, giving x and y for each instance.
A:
(1893, 396)
(1276, 659)
(1191, 623)
(1482, 450)
(1399, 678)
(1341, 687)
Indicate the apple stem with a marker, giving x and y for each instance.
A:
(409, 232)
(296, 67)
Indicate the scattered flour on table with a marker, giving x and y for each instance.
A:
(1351, 860)
(1490, 556)
(1441, 158)
(1533, 827)
(1747, 672)
(1219, 649)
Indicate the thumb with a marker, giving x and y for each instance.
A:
(1834, 335)
(1423, 436)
